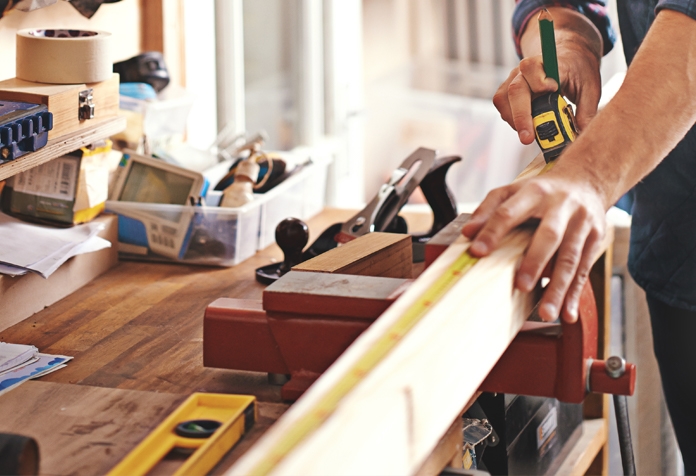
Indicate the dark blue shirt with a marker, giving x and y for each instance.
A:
(662, 257)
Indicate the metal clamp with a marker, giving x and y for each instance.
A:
(392, 195)
(86, 107)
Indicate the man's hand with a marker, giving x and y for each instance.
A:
(633, 133)
(570, 215)
(570, 231)
(578, 46)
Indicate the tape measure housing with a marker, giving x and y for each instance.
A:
(554, 124)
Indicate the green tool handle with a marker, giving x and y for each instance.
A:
(548, 46)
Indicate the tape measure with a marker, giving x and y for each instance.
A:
(553, 118)
(554, 124)
(311, 421)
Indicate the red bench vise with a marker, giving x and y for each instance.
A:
(560, 360)
(557, 360)
(304, 323)
(307, 319)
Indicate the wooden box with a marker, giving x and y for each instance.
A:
(63, 100)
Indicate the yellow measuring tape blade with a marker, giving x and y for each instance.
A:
(311, 421)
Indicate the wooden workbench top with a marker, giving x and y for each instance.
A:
(139, 327)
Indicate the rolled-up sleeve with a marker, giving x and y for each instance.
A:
(687, 7)
(595, 11)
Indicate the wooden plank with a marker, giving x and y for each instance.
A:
(594, 437)
(109, 423)
(63, 145)
(374, 254)
(448, 451)
(392, 420)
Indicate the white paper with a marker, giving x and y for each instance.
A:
(12, 355)
(43, 249)
(45, 364)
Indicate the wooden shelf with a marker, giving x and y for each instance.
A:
(63, 145)
(594, 436)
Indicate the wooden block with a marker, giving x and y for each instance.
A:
(24, 295)
(375, 254)
(339, 295)
(63, 101)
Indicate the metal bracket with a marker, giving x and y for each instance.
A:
(86, 108)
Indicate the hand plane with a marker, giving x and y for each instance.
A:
(420, 169)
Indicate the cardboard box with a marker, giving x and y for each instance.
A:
(71, 189)
(25, 295)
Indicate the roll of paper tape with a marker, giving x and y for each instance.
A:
(64, 56)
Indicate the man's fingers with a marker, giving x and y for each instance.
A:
(572, 300)
(586, 107)
(512, 212)
(484, 211)
(520, 97)
(500, 99)
(533, 71)
(546, 240)
(565, 268)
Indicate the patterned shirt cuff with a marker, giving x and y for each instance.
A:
(595, 11)
(687, 7)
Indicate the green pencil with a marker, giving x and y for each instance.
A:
(548, 45)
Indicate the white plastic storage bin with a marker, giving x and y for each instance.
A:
(301, 196)
(216, 236)
(211, 236)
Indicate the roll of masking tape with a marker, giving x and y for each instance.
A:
(64, 56)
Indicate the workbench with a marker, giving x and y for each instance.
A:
(136, 337)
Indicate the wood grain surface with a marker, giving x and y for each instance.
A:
(140, 327)
(82, 429)
(375, 254)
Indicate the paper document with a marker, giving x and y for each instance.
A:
(40, 249)
(12, 355)
(45, 364)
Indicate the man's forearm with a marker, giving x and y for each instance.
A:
(651, 113)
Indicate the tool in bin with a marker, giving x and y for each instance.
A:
(206, 425)
(381, 214)
(23, 128)
(553, 118)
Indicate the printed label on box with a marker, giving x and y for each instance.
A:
(54, 179)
